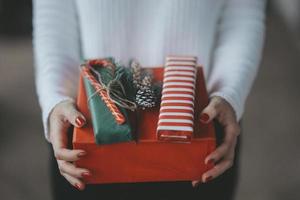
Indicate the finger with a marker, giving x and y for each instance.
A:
(57, 129)
(218, 154)
(218, 169)
(231, 130)
(72, 170)
(77, 183)
(229, 143)
(215, 156)
(226, 147)
(59, 140)
(209, 112)
(75, 117)
(68, 154)
(195, 183)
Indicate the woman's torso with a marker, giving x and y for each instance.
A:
(148, 30)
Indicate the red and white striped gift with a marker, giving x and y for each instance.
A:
(176, 116)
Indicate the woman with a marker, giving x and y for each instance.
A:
(226, 36)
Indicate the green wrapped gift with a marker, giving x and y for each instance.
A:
(118, 85)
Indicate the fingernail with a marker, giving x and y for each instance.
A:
(77, 186)
(86, 174)
(80, 121)
(204, 118)
(211, 161)
(81, 154)
(207, 179)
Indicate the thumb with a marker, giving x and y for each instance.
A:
(75, 117)
(209, 112)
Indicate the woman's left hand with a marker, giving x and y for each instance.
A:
(220, 110)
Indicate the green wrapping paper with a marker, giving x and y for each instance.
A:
(106, 129)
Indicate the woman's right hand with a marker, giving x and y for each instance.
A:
(61, 118)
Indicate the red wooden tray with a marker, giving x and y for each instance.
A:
(146, 159)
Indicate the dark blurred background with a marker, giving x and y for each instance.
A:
(270, 157)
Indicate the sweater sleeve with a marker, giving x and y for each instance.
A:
(237, 52)
(57, 53)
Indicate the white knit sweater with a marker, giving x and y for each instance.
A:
(226, 36)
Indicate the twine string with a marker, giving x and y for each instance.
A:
(94, 94)
(114, 94)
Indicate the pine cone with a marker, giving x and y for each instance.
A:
(145, 95)
(136, 73)
(147, 81)
(145, 98)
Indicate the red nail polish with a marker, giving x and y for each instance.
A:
(81, 154)
(204, 118)
(207, 179)
(86, 174)
(80, 121)
(77, 186)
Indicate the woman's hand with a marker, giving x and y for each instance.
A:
(61, 118)
(223, 156)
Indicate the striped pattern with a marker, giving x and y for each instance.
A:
(119, 117)
(176, 117)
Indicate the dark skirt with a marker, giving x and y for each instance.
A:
(222, 187)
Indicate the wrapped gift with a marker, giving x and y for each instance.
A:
(176, 117)
(148, 159)
(104, 84)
